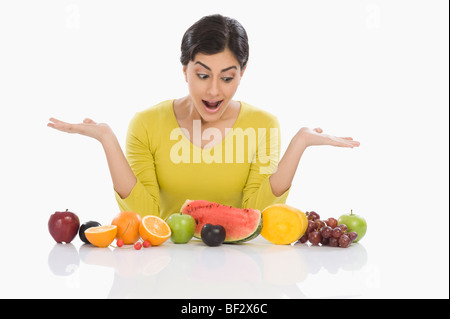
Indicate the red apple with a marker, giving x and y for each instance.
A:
(63, 226)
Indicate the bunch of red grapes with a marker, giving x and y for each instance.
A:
(327, 232)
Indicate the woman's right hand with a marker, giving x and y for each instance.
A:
(88, 128)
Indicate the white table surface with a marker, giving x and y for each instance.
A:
(256, 269)
(375, 70)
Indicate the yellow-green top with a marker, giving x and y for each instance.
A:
(170, 168)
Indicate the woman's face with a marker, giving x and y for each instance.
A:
(213, 81)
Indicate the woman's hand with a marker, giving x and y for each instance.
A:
(122, 176)
(88, 128)
(281, 179)
(311, 137)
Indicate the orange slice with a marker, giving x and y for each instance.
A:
(101, 236)
(154, 229)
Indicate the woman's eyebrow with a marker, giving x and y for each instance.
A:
(208, 68)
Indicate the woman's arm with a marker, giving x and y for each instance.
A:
(281, 179)
(122, 176)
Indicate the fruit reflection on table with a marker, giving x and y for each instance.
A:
(214, 224)
(256, 268)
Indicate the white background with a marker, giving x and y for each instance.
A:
(373, 70)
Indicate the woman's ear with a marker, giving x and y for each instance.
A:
(243, 70)
(185, 72)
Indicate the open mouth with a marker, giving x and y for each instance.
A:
(212, 106)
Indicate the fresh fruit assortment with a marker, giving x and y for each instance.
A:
(329, 232)
(127, 228)
(214, 224)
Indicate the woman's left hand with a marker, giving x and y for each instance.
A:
(311, 137)
(281, 179)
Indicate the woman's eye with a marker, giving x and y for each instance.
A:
(202, 76)
(227, 79)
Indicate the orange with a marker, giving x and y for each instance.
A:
(127, 227)
(154, 229)
(101, 236)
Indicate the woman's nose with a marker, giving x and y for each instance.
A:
(213, 88)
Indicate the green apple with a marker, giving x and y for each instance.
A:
(354, 223)
(182, 227)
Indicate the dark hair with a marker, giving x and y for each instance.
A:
(213, 34)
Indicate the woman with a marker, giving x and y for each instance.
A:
(205, 145)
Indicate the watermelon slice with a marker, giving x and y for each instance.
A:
(241, 224)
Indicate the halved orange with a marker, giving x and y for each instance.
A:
(154, 229)
(101, 236)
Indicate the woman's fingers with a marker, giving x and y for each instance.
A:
(351, 141)
(57, 124)
(54, 121)
(339, 141)
(317, 137)
(346, 142)
(88, 127)
(64, 126)
(355, 143)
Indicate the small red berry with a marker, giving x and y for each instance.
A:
(137, 245)
(119, 242)
(146, 244)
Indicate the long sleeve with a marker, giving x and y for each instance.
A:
(257, 192)
(144, 197)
